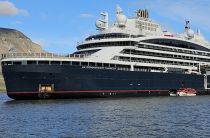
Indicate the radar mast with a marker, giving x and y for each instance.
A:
(103, 24)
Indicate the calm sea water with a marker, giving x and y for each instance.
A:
(123, 117)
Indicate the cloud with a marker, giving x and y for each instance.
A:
(17, 22)
(8, 9)
(86, 15)
(196, 11)
(23, 12)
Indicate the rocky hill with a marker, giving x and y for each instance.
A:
(13, 41)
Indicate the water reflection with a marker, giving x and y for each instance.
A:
(121, 117)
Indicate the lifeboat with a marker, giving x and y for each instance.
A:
(186, 92)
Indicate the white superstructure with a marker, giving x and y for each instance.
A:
(141, 43)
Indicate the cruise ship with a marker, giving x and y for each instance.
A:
(130, 57)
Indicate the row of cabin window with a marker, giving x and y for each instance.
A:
(103, 44)
(149, 28)
(176, 43)
(147, 69)
(108, 36)
(147, 24)
(174, 50)
(134, 52)
(119, 67)
(87, 52)
(74, 63)
(128, 59)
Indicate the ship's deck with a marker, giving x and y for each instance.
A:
(40, 55)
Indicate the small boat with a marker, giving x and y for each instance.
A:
(186, 92)
(173, 93)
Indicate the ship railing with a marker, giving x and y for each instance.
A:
(42, 55)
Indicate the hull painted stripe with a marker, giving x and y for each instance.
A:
(93, 91)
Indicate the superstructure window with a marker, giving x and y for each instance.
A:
(43, 62)
(173, 50)
(106, 65)
(66, 63)
(84, 63)
(8, 63)
(87, 52)
(99, 64)
(163, 55)
(93, 64)
(55, 62)
(31, 62)
(17, 63)
(123, 67)
(105, 44)
(75, 63)
(176, 43)
(154, 61)
(112, 65)
(111, 35)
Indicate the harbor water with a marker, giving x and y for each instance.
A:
(108, 117)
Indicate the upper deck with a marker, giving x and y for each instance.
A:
(137, 28)
(38, 56)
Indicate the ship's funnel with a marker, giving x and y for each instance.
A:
(143, 13)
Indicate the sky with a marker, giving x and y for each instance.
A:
(58, 25)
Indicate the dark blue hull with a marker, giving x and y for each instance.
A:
(23, 82)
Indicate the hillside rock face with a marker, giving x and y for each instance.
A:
(13, 41)
(2, 85)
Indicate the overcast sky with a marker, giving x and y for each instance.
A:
(59, 24)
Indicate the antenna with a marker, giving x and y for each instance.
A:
(198, 32)
(187, 26)
(106, 19)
